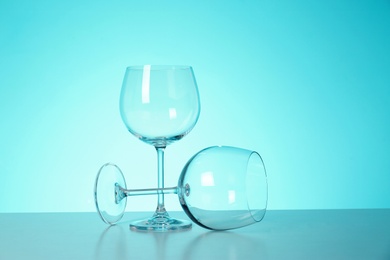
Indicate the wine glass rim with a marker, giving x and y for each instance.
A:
(159, 67)
(257, 155)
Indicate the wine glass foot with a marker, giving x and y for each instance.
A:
(160, 223)
(109, 200)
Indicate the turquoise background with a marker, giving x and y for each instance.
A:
(304, 83)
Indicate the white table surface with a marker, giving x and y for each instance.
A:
(300, 234)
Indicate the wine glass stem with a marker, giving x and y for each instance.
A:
(160, 180)
(151, 191)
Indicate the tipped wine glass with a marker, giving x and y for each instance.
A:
(159, 105)
(219, 188)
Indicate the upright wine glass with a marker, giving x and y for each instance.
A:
(159, 105)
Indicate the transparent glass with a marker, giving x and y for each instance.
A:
(159, 105)
(224, 188)
(219, 188)
(109, 210)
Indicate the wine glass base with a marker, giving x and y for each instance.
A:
(160, 224)
(109, 206)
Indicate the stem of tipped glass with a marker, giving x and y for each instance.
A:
(122, 193)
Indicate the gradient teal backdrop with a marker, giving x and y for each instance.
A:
(304, 83)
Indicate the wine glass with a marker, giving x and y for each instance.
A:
(219, 188)
(159, 105)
